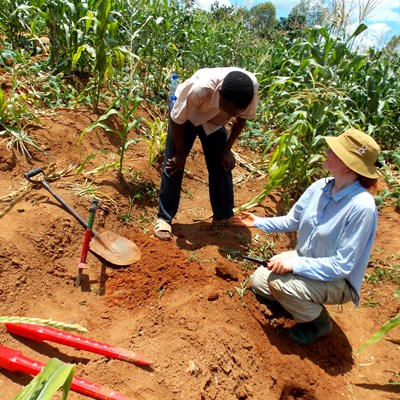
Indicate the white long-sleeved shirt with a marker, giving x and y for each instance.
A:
(197, 99)
(335, 232)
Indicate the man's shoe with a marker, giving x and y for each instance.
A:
(308, 332)
(163, 230)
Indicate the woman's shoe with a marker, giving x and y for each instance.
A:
(306, 333)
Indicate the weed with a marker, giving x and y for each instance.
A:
(127, 216)
(188, 193)
(143, 190)
(243, 238)
(260, 248)
(243, 287)
(192, 257)
(369, 302)
(231, 254)
(254, 137)
(248, 266)
(145, 218)
(161, 292)
(385, 269)
(99, 291)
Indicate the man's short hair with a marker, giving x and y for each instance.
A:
(238, 87)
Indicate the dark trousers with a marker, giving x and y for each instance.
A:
(219, 182)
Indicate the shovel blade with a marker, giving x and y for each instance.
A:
(115, 249)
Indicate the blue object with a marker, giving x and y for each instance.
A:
(172, 88)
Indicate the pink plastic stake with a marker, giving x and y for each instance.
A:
(41, 333)
(14, 360)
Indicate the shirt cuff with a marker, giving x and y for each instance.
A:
(296, 265)
(258, 221)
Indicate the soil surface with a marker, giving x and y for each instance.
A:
(184, 304)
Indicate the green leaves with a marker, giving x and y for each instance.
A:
(156, 139)
(126, 122)
(55, 374)
(320, 87)
(392, 323)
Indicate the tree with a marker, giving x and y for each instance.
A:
(312, 12)
(262, 18)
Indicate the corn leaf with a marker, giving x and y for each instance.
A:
(54, 375)
(392, 323)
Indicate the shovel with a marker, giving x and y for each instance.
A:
(110, 246)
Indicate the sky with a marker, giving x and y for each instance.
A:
(383, 22)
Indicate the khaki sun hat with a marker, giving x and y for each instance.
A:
(357, 150)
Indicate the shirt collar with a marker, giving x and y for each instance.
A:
(354, 187)
(214, 102)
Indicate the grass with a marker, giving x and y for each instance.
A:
(384, 269)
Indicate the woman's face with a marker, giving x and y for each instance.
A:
(333, 163)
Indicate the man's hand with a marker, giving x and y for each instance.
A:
(228, 160)
(176, 163)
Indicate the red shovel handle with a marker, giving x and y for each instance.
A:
(14, 360)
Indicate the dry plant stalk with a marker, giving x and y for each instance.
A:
(343, 13)
(17, 195)
(90, 190)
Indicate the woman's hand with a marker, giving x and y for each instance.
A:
(244, 219)
(281, 263)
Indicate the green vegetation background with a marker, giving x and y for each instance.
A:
(117, 55)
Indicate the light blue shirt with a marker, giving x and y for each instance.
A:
(335, 233)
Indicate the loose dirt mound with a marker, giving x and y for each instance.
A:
(183, 304)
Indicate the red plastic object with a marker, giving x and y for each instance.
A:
(88, 235)
(41, 333)
(14, 360)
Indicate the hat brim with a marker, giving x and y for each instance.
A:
(352, 160)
